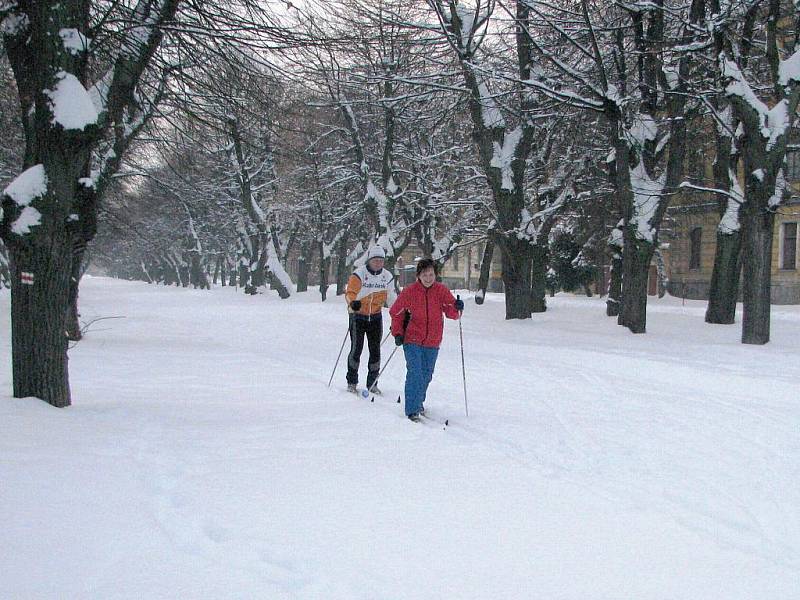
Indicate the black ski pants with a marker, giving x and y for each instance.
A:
(373, 329)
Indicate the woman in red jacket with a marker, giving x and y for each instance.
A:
(426, 301)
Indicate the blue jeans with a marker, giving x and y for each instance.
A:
(420, 362)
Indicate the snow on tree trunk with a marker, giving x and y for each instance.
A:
(764, 126)
(614, 300)
(277, 276)
(646, 206)
(264, 255)
(5, 273)
(63, 123)
(503, 149)
(724, 289)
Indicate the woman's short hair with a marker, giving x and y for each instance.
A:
(427, 263)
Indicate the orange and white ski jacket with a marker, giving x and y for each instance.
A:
(372, 289)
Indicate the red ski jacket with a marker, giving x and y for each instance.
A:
(427, 307)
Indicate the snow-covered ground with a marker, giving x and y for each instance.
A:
(204, 457)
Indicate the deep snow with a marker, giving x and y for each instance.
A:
(204, 457)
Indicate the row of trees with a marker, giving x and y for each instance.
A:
(205, 141)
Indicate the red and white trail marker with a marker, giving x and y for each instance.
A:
(26, 278)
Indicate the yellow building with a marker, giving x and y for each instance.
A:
(690, 256)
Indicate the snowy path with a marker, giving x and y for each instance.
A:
(204, 457)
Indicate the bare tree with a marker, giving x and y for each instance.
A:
(764, 92)
(49, 210)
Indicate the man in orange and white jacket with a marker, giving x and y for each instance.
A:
(369, 288)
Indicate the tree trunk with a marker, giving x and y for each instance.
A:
(724, 290)
(538, 279)
(219, 271)
(5, 274)
(757, 229)
(486, 267)
(517, 262)
(324, 268)
(614, 300)
(232, 275)
(304, 266)
(244, 275)
(197, 274)
(38, 319)
(341, 267)
(72, 326)
(302, 272)
(636, 259)
(258, 262)
(599, 277)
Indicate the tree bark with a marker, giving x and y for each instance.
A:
(341, 267)
(72, 325)
(517, 257)
(218, 270)
(486, 267)
(756, 270)
(324, 268)
(724, 291)
(538, 279)
(5, 274)
(636, 258)
(38, 320)
(614, 300)
(197, 274)
(303, 269)
(232, 274)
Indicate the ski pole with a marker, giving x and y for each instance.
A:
(386, 337)
(344, 341)
(386, 364)
(463, 370)
(406, 319)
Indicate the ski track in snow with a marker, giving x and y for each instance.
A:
(204, 536)
(206, 458)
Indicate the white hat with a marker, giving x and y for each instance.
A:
(376, 252)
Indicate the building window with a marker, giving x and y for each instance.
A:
(695, 237)
(793, 165)
(789, 246)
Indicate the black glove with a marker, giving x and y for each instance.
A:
(459, 304)
(398, 340)
(355, 305)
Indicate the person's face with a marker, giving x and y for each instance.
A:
(427, 277)
(375, 263)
